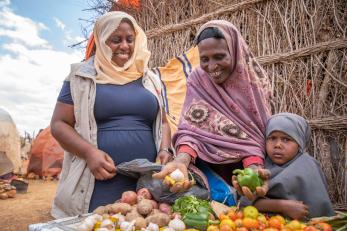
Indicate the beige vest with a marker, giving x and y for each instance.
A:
(76, 183)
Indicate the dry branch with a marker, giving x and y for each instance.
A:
(334, 123)
(306, 51)
(204, 18)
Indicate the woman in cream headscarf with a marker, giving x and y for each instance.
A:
(109, 111)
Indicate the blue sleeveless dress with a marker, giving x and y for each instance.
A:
(124, 115)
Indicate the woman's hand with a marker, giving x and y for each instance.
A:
(181, 162)
(260, 191)
(294, 209)
(100, 164)
(163, 157)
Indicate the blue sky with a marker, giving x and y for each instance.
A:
(35, 57)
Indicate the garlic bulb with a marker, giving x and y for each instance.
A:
(127, 226)
(177, 224)
(152, 227)
(177, 175)
(108, 224)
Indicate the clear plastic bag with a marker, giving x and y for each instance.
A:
(143, 170)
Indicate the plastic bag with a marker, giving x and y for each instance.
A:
(143, 169)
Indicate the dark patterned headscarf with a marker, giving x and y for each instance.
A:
(226, 123)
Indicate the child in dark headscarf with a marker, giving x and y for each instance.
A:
(297, 187)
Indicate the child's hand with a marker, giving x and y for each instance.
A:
(294, 209)
(264, 174)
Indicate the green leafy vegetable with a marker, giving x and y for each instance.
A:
(191, 204)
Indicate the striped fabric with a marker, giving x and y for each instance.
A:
(173, 76)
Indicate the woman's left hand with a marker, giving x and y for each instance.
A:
(163, 157)
(260, 191)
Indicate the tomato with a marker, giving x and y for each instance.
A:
(250, 223)
(262, 219)
(270, 229)
(232, 215)
(239, 214)
(283, 221)
(251, 212)
(275, 222)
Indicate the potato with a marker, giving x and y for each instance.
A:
(11, 193)
(100, 210)
(145, 207)
(120, 207)
(140, 223)
(129, 197)
(161, 219)
(132, 215)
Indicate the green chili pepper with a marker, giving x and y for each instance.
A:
(248, 177)
(198, 221)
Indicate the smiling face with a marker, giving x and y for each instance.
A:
(281, 148)
(215, 59)
(122, 43)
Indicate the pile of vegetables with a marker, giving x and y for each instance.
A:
(134, 211)
(249, 219)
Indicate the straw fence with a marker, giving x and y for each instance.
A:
(302, 44)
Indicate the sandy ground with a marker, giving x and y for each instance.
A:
(30, 208)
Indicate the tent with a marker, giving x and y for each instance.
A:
(46, 155)
(10, 161)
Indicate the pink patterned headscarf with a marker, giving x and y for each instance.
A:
(226, 123)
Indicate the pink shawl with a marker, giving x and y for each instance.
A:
(226, 123)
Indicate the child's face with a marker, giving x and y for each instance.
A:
(281, 148)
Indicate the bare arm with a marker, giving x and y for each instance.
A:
(163, 156)
(62, 128)
(291, 208)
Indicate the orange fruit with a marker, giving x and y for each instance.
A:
(310, 228)
(242, 229)
(283, 221)
(270, 229)
(225, 228)
(222, 216)
(238, 222)
(212, 228)
(275, 222)
(323, 226)
(250, 223)
(228, 222)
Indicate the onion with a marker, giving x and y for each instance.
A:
(145, 193)
(129, 197)
(165, 208)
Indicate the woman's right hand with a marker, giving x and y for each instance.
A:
(168, 169)
(100, 164)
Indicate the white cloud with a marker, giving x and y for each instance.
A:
(31, 72)
(21, 29)
(59, 23)
(4, 3)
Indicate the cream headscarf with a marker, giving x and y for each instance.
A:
(108, 71)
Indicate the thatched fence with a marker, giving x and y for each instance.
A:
(302, 44)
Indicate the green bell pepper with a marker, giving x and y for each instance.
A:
(248, 178)
(198, 221)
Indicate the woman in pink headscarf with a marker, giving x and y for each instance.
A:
(225, 110)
